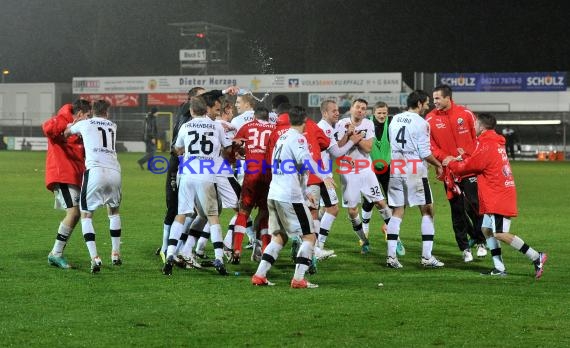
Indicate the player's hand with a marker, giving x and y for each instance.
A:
(439, 171)
(311, 202)
(446, 160)
(350, 128)
(460, 151)
(227, 127)
(238, 141)
(329, 183)
(356, 137)
(232, 90)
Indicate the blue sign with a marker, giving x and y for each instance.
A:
(504, 82)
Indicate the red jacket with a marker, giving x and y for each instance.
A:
(450, 130)
(489, 161)
(65, 160)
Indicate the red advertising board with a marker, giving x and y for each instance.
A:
(174, 99)
(127, 100)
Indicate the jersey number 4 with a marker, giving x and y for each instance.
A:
(206, 146)
(400, 137)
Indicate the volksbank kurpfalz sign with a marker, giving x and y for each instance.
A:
(504, 82)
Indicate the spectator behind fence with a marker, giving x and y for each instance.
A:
(149, 136)
(512, 138)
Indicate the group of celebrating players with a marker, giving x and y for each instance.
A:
(286, 160)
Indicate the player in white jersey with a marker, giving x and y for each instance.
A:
(328, 197)
(289, 215)
(408, 185)
(245, 104)
(357, 176)
(201, 140)
(227, 186)
(101, 181)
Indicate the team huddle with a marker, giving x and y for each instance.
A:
(285, 159)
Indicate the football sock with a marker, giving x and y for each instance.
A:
(249, 229)
(89, 236)
(228, 239)
(188, 221)
(386, 214)
(326, 224)
(268, 258)
(63, 233)
(265, 240)
(186, 250)
(303, 261)
(317, 226)
(357, 227)
(232, 222)
(392, 235)
(175, 233)
(204, 237)
(524, 248)
(428, 232)
(115, 231)
(229, 234)
(216, 236)
(495, 247)
(165, 234)
(239, 230)
(366, 215)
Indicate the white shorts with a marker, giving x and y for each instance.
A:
(496, 223)
(404, 191)
(353, 185)
(323, 195)
(101, 186)
(66, 196)
(199, 195)
(292, 218)
(228, 191)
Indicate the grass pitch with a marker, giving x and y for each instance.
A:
(135, 305)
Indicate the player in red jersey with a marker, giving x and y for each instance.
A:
(254, 135)
(497, 194)
(65, 165)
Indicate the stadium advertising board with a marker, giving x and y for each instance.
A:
(162, 99)
(291, 83)
(128, 100)
(504, 82)
(345, 99)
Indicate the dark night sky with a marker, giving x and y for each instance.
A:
(52, 41)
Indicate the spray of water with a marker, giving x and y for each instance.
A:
(264, 61)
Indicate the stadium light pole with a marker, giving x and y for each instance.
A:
(4, 73)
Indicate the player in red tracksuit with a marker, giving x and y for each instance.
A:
(255, 136)
(452, 133)
(497, 193)
(65, 164)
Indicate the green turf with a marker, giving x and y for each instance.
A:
(135, 305)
